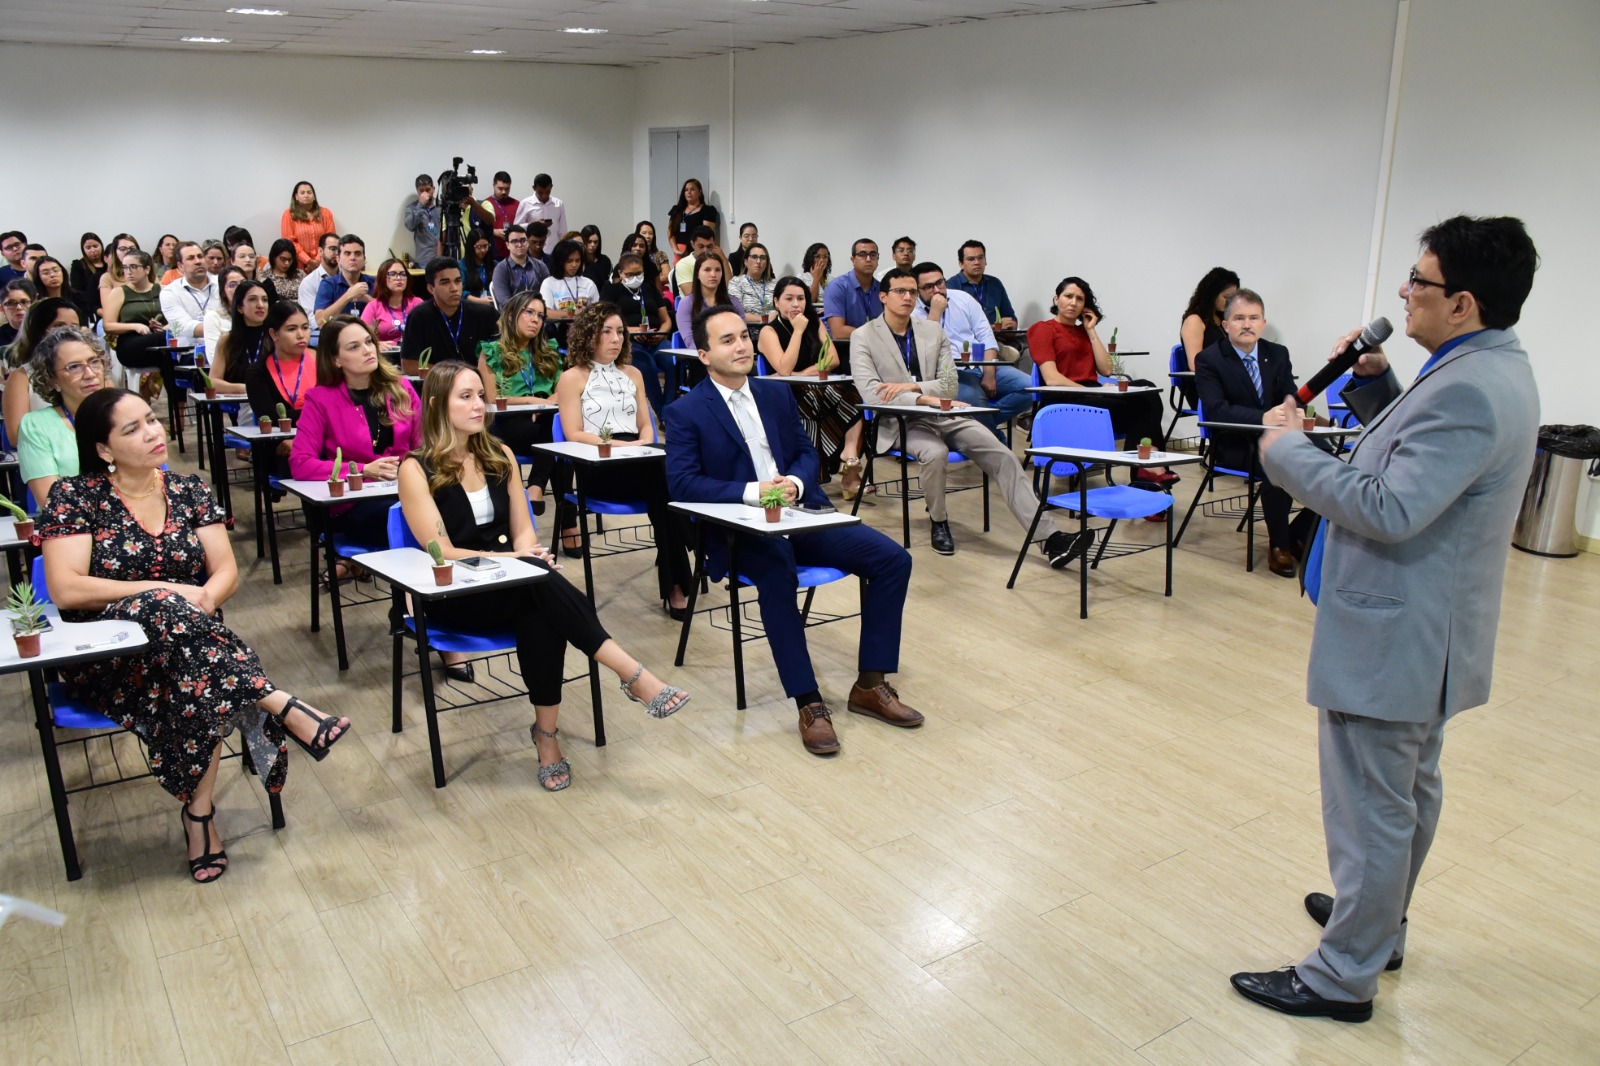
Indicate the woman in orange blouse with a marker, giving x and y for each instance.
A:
(304, 223)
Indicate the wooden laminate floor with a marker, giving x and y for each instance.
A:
(1100, 821)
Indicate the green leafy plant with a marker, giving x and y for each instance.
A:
(997, 317)
(205, 381)
(605, 434)
(338, 462)
(13, 510)
(825, 356)
(1118, 370)
(424, 357)
(283, 412)
(772, 496)
(24, 603)
(436, 551)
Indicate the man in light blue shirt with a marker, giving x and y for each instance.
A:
(963, 320)
(851, 300)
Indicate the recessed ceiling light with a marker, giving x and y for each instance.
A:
(487, 52)
(206, 40)
(255, 11)
(583, 29)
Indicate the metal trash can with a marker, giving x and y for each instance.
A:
(1547, 523)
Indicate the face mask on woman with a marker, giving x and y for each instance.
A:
(633, 283)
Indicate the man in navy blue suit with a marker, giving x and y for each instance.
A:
(734, 436)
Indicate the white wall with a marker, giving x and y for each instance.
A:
(100, 157)
(1500, 114)
(1135, 147)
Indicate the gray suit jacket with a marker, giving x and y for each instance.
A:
(1418, 525)
(876, 358)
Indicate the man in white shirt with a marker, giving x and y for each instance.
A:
(963, 321)
(543, 207)
(328, 250)
(185, 301)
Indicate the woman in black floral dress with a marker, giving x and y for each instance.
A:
(126, 540)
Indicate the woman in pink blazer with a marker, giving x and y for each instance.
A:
(362, 406)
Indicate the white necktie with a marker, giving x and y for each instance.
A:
(755, 438)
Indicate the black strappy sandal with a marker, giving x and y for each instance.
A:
(210, 860)
(320, 745)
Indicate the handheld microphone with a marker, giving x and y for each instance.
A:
(1375, 333)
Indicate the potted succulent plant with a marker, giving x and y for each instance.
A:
(264, 423)
(605, 442)
(1308, 419)
(1145, 448)
(772, 501)
(1111, 347)
(28, 623)
(355, 477)
(284, 424)
(207, 384)
(336, 475)
(442, 571)
(945, 403)
(1118, 370)
(24, 523)
(825, 356)
(500, 403)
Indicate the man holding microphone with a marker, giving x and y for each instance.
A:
(1407, 571)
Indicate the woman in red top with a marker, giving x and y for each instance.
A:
(1068, 350)
(304, 222)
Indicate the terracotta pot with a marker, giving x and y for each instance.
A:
(1122, 384)
(1145, 450)
(27, 645)
(774, 514)
(409, 366)
(285, 425)
(500, 403)
(265, 425)
(944, 404)
(24, 528)
(1111, 349)
(605, 451)
(335, 488)
(356, 482)
(442, 575)
(211, 394)
(1308, 424)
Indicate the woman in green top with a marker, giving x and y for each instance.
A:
(65, 367)
(132, 315)
(523, 366)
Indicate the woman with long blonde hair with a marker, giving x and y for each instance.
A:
(455, 489)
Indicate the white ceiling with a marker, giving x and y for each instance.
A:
(638, 31)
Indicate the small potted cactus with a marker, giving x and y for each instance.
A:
(442, 571)
(605, 442)
(207, 384)
(772, 501)
(825, 357)
(1111, 348)
(1145, 448)
(500, 403)
(336, 475)
(264, 423)
(24, 523)
(1308, 418)
(355, 477)
(284, 424)
(27, 625)
(966, 350)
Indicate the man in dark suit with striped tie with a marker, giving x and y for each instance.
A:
(1238, 378)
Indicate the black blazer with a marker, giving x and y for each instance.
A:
(1227, 394)
(455, 511)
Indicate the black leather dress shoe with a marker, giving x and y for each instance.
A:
(1282, 990)
(943, 542)
(1320, 906)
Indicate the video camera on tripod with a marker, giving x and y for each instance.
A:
(456, 186)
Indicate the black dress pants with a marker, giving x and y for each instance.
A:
(545, 617)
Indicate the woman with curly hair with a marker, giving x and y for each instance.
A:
(601, 391)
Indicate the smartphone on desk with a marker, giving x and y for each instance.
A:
(479, 562)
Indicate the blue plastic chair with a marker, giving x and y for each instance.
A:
(61, 710)
(445, 639)
(1178, 361)
(1077, 426)
(1247, 524)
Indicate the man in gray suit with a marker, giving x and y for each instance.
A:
(896, 359)
(1412, 563)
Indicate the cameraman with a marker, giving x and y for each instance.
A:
(462, 218)
(422, 219)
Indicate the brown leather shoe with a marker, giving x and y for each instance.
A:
(1280, 562)
(883, 703)
(816, 729)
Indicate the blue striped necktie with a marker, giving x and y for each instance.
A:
(1255, 374)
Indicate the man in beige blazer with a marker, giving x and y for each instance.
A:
(896, 359)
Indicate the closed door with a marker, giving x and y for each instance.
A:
(676, 155)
